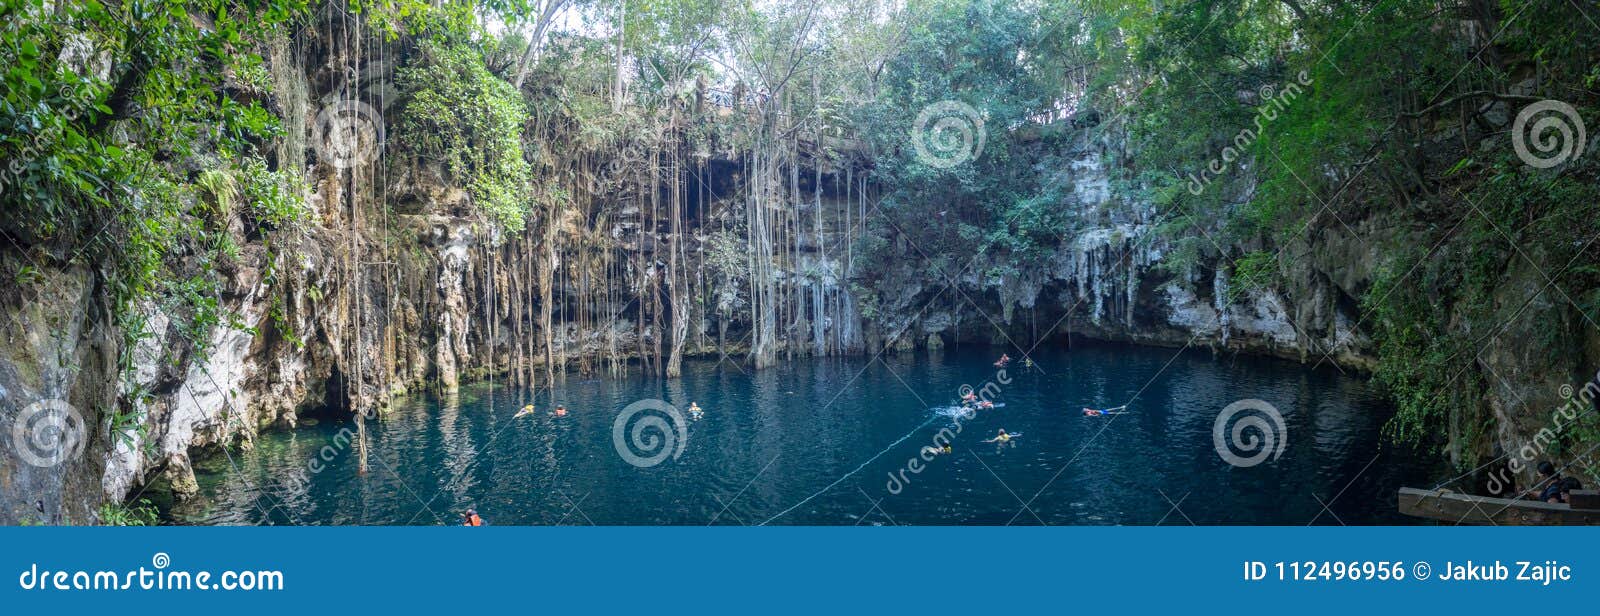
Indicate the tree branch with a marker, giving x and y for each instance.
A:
(1510, 98)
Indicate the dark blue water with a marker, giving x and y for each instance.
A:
(814, 441)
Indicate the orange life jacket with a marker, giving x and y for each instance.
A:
(474, 520)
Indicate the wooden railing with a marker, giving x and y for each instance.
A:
(1457, 508)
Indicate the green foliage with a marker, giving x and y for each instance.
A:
(1514, 223)
(126, 425)
(1003, 61)
(251, 73)
(1254, 271)
(105, 105)
(27, 275)
(275, 198)
(138, 514)
(223, 189)
(1357, 96)
(195, 302)
(459, 112)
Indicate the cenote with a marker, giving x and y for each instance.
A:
(817, 441)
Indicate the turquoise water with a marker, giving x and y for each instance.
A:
(815, 441)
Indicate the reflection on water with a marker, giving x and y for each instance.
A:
(783, 446)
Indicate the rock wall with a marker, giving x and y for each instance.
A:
(1115, 279)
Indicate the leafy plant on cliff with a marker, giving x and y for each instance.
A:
(1310, 146)
(141, 513)
(1254, 271)
(105, 107)
(460, 114)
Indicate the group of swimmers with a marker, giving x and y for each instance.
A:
(970, 401)
(1005, 360)
(561, 411)
(695, 412)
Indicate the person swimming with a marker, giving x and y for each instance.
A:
(695, 412)
(470, 518)
(1027, 362)
(1004, 359)
(1003, 437)
(1115, 410)
(985, 404)
(561, 411)
(526, 410)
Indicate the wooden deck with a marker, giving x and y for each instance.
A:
(1457, 508)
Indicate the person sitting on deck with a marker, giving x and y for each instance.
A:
(1549, 484)
(470, 518)
(1564, 490)
(1002, 437)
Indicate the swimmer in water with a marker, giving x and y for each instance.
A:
(526, 410)
(1002, 437)
(561, 411)
(695, 412)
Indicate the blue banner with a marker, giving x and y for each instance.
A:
(795, 569)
